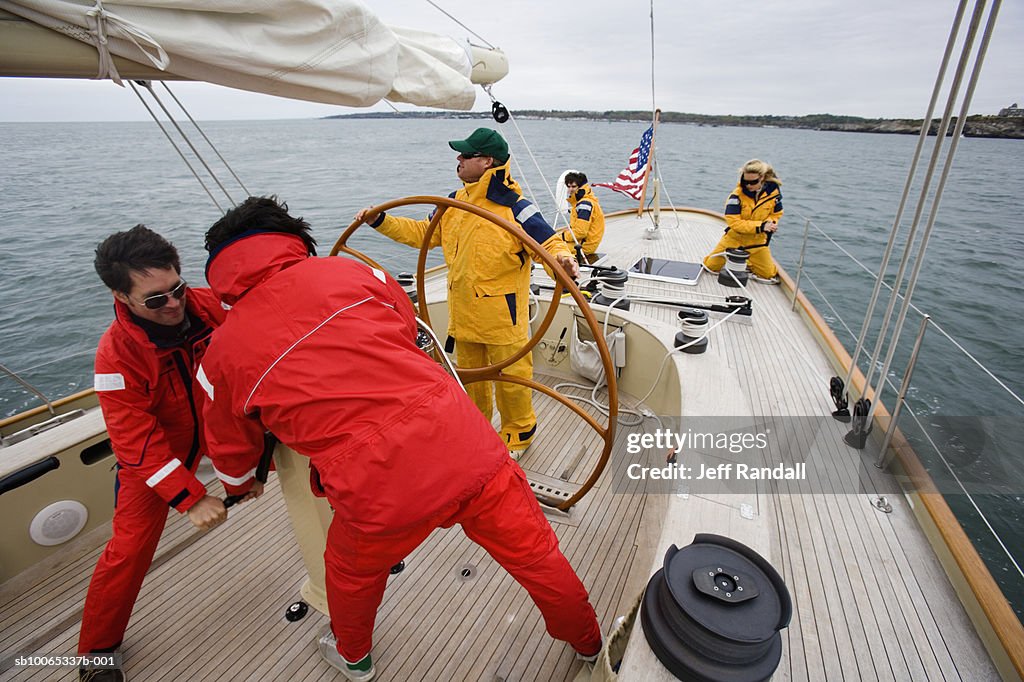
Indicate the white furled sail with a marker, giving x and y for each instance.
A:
(330, 51)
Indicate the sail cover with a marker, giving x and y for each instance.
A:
(330, 51)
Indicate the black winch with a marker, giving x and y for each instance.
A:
(714, 612)
(612, 287)
(734, 274)
(694, 324)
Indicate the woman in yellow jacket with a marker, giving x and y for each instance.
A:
(488, 276)
(752, 215)
(586, 219)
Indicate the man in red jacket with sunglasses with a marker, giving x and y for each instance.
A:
(145, 369)
(322, 352)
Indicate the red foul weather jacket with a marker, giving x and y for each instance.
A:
(321, 351)
(151, 404)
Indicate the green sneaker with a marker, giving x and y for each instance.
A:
(360, 671)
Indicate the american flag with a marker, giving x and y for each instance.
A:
(631, 180)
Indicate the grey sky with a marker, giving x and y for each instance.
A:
(868, 58)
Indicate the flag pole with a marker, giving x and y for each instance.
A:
(650, 162)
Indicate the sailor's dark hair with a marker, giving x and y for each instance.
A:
(263, 214)
(576, 177)
(136, 250)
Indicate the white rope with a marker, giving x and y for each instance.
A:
(681, 348)
(102, 23)
(774, 323)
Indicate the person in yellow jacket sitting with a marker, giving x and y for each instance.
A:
(488, 276)
(586, 219)
(752, 215)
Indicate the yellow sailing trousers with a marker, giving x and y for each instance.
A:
(760, 262)
(515, 402)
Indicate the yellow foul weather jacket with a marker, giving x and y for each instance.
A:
(488, 268)
(587, 219)
(745, 214)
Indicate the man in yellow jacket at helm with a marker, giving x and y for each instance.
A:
(586, 220)
(488, 276)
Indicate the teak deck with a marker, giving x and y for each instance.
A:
(870, 600)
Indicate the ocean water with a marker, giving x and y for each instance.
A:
(66, 186)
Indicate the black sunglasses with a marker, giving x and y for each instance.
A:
(750, 182)
(471, 155)
(160, 300)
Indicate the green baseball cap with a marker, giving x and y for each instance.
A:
(485, 142)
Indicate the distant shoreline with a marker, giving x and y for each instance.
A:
(1001, 127)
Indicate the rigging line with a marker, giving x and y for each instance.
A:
(933, 162)
(970, 497)
(536, 165)
(961, 120)
(522, 178)
(913, 307)
(36, 299)
(664, 188)
(176, 148)
(976, 361)
(438, 8)
(208, 141)
(28, 387)
(922, 136)
(772, 321)
(188, 141)
(653, 103)
(831, 307)
(854, 259)
(56, 360)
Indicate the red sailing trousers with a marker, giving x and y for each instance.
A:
(139, 518)
(505, 519)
